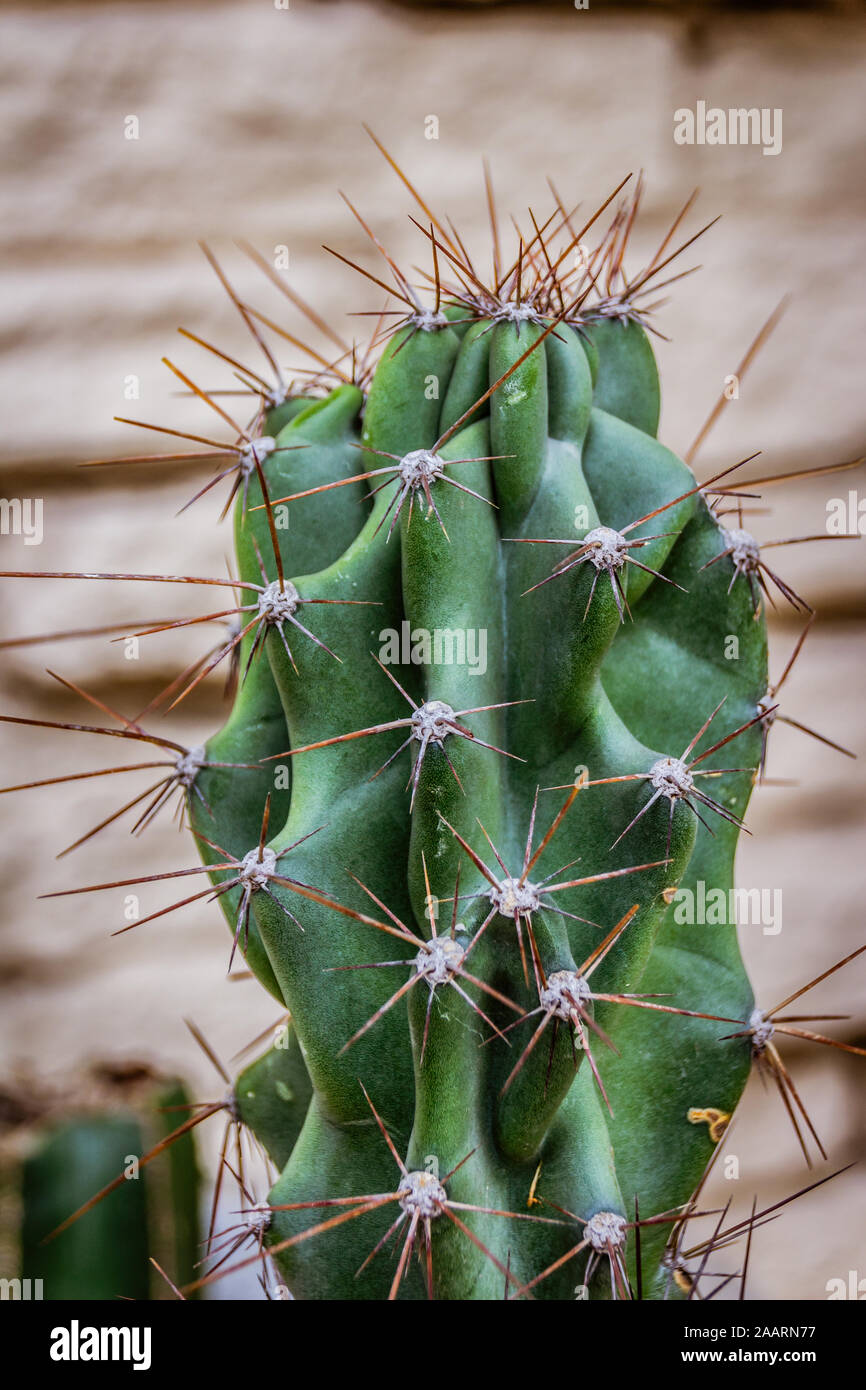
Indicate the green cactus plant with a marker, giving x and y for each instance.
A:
(62, 1143)
(500, 701)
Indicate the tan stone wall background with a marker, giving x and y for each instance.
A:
(250, 120)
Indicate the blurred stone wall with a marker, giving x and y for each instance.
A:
(248, 122)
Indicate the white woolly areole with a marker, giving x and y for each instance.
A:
(257, 449)
(745, 551)
(438, 963)
(187, 765)
(276, 395)
(609, 548)
(671, 776)
(430, 721)
(762, 1029)
(513, 311)
(509, 895)
(419, 467)
(255, 872)
(615, 307)
(765, 709)
(604, 1229)
(421, 1194)
(564, 989)
(277, 604)
(258, 1218)
(428, 320)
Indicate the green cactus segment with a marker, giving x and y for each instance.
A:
(330, 1161)
(175, 1188)
(153, 1214)
(104, 1255)
(724, 653)
(626, 381)
(317, 445)
(273, 1094)
(283, 414)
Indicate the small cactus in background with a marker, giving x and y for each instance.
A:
(500, 695)
(62, 1144)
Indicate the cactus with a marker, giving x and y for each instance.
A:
(65, 1142)
(500, 701)
(105, 1255)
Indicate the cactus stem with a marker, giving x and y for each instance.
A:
(580, 426)
(437, 962)
(516, 897)
(564, 996)
(413, 473)
(604, 1234)
(673, 777)
(607, 549)
(421, 1197)
(429, 725)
